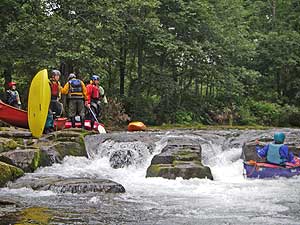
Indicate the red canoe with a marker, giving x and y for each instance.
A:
(17, 117)
(13, 116)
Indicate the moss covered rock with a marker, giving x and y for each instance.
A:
(186, 170)
(26, 159)
(7, 144)
(9, 173)
(34, 215)
(181, 157)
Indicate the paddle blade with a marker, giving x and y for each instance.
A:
(101, 129)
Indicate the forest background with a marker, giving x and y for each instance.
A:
(164, 61)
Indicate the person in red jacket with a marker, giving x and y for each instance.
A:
(95, 95)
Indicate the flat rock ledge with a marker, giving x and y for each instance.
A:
(70, 185)
(181, 157)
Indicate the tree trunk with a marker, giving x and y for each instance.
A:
(65, 68)
(197, 87)
(201, 88)
(207, 85)
(110, 79)
(278, 83)
(273, 11)
(211, 87)
(123, 53)
(140, 58)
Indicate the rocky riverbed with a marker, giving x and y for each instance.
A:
(111, 181)
(21, 153)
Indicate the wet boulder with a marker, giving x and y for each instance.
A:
(72, 185)
(55, 152)
(84, 185)
(249, 151)
(26, 159)
(9, 173)
(10, 132)
(121, 158)
(181, 157)
(126, 153)
(55, 146)
(7, 144)
(121, 150)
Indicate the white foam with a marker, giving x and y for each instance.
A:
(26, 192)
(228, 193)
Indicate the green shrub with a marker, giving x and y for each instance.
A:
(183, 117)
(143, 108)
(245, 117)
(289, 116)
(266, 113)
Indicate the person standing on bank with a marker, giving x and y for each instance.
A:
(95, 95)
(12, 95)
(55, 106)
(77, 98)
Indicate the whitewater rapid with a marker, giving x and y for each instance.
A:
(229, 199)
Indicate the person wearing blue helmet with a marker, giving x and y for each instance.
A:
(276, 152)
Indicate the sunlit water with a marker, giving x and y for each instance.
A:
(229, 199)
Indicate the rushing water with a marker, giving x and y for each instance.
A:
(229, 199)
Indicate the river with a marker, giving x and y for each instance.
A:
(228, 199)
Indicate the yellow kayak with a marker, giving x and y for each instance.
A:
(38, 103)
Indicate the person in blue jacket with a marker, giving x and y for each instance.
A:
(276, 152)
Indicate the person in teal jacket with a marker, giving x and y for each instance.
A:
(276, 152)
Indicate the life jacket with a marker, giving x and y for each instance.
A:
(95, 93)
(54, 88)
(12, 97)
(273, 154)
(75, 87)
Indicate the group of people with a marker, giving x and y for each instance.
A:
(81, 98)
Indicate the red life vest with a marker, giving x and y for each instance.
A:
(95, 92)
(54, 89)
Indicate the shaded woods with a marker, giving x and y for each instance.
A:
(167, 61)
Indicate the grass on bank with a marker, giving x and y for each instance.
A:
(197, 126)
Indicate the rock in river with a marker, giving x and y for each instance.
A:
(72, 185)
(181, 157)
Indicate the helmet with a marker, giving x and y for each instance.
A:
(279, 137)
(10, 84)
(95, 77)
(71, 76)
(55, 72)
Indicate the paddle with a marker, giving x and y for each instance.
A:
(100, 128)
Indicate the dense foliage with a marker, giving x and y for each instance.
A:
(167, 61)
